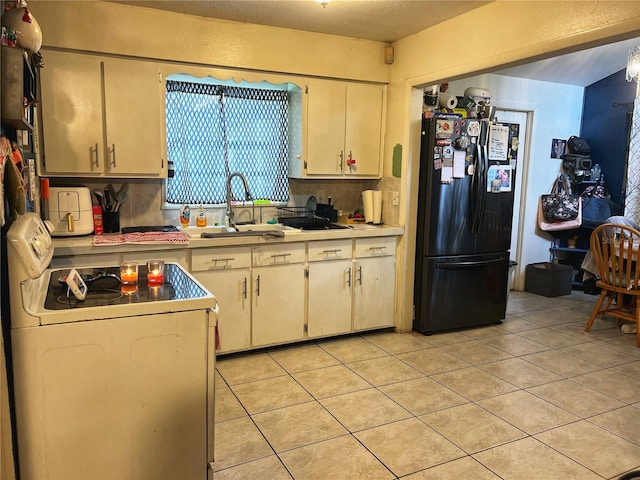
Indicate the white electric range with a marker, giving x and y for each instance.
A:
(120, 385)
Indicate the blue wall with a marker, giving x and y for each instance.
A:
(606, 128)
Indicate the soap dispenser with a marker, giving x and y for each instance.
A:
(201, 218)
(185, 216)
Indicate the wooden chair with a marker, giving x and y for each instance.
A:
(616, 251)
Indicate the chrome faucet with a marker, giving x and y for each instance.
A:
(247, 196)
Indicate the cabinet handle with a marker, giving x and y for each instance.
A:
(112, 151)
(258, 285)
(374, 250)
(349, 277)
(335, 251)
(341, 160)
(360, 274)
(244, 288)
(276, 255)
(226, 260)
(96, 160)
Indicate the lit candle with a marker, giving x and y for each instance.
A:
(155, 272)
(129, 273)
(129, 289)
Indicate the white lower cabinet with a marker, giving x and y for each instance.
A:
(329, 299)
(374, 282)
(226, 272)
(285, 292)
(278, 290)
(260, 291)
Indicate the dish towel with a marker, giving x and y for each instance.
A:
(141, 237)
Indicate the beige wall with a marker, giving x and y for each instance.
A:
(122, 29)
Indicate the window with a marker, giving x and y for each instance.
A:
(214, 129)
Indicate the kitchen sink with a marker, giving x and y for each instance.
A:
(265, 227)
(258, 229)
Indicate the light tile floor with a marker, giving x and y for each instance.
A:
(533, 398)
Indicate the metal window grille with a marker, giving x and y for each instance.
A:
(215, 130)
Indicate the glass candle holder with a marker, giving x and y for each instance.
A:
(129, 273)
(155, 272)
(129, 289)
(130, 293)
(155, 292)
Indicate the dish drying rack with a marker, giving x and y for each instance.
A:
(296, 212)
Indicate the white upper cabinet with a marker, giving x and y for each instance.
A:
(343, 131)
(102, 117)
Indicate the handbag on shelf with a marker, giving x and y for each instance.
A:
(548, 226)
(560, 205)
(596, 205)
(560, 209)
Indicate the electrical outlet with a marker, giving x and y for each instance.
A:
(396, 198)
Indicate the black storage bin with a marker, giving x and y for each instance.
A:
(548, 279)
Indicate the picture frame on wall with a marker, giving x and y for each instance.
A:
(558, 147)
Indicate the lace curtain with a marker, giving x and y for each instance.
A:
(632, 203)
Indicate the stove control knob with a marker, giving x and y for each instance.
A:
(45, 239)
(38, 247)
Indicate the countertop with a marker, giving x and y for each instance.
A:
(67, 246)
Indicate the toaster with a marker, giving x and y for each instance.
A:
(70, 211)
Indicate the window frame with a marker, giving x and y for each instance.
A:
(295, 86)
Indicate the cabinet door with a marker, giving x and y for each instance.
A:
(278, 304)
(86, 97)
(325, 127)
(374, 293)
(329, 298)
(231, 288)
(363, 131)
(133, 118)
(72, 114)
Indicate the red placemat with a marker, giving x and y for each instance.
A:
(140, 237)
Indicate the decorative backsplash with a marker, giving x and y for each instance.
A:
(145, 205)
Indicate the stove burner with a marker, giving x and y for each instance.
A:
(94, 298)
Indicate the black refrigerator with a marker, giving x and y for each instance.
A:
(465, 209)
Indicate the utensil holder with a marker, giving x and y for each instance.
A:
(111, 221)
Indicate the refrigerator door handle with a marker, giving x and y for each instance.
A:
(482, 165)
(484, 180)
(462, 265)
(476, 189)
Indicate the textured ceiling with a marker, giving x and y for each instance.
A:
(388, 21)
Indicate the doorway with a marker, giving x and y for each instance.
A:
(516, 277)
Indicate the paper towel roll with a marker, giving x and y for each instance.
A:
(448, 101)
(367, 203)
(377, 207)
